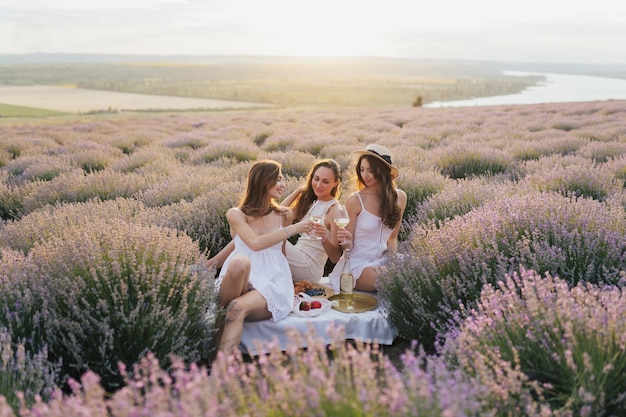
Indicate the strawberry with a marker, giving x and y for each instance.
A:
(316, 304)
(305, 306)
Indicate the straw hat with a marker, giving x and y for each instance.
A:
(379, 152)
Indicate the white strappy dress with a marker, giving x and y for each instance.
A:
(369, 245)
(269, 275)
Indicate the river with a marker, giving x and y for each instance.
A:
(557, 88)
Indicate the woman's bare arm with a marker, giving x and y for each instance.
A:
(240, 227)
(218, 260)
(292, 197)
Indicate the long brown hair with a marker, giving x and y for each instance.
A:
(262, 175)
(307, 197)
(390, 210)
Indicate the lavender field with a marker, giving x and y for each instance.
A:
(510, 287)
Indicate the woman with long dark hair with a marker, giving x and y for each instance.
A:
(318, 197)
(375, 213)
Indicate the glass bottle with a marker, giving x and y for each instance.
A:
(346, 282)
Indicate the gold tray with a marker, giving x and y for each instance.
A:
(359, 304)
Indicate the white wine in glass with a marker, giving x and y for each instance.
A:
(341, 217)
(316, 214)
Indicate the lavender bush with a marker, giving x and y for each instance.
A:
(603, 151)
(328, 382)
(21, 141)
(184, 184)
(5, 157)
(113, 291)
(570, 341)
(460, 197)
(466, 161)
(40, 225)
(154, 159)
(11, 201)
(294, 164)
(577, 239)
(24, 363)
(578, 177)
(76, 187)
(204, 219)
(21, 372)
(37, 167)
(93, 156)
(235, 150)
(617, 166)
(22, 313)
(419, 186)
(188, 139)
(542, 143)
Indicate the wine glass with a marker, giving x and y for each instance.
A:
(346, 280)
(341, 218)
(316, 214)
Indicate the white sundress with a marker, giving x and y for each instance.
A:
(269, 275)
(369, 246)
(307, 258)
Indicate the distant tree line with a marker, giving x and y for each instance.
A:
(282, 85)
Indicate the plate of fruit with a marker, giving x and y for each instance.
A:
(313, 289)
(306, 306)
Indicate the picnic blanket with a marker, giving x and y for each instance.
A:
(369, 326)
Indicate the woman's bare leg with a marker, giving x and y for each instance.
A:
(367, 280)
(234, 283)
(236, 279)
(250, 305)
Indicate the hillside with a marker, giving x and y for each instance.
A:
(281, 81)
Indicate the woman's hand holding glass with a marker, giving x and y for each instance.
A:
(342, 220)
(317, 216)
(319, 230)
(302, 227)
(345, 238)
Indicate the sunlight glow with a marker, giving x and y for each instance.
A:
(575, 30)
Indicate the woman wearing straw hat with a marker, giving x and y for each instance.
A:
(375, 212)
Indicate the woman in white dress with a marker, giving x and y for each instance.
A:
(307, 258)
(375, 212)
(255, 280)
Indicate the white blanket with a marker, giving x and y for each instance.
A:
(369, 326)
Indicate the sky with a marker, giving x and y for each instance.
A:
(572, 31)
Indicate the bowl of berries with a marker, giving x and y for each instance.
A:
(313, 289)
(306, 306)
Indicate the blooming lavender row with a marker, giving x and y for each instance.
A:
(569, 342)
(578, 239)
(103, 220)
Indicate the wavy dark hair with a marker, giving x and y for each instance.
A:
(303, 202)
(390, 210)
(262, 175)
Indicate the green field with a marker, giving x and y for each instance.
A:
(6, 110)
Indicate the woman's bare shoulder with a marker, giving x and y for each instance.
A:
(402, 197)
(353, 202)
(234, 212)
